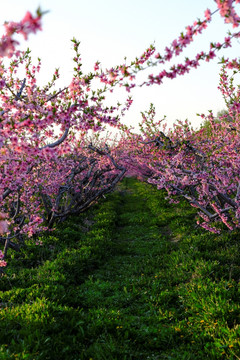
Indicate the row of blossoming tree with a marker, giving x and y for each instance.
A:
(49, 169)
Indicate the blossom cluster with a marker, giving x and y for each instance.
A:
(125, 74)
(29, 24)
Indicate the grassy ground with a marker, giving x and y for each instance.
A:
(133, 279)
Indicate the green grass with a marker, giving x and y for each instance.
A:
(132, 279)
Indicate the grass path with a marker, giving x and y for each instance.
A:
(132, 281)
(124, 289)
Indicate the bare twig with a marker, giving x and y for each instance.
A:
(18, 96)
(59, 92)
(59, 141)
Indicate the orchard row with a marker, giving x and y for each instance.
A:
(49, 168)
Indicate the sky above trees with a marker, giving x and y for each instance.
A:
(109, 30)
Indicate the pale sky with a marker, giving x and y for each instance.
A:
(109, 30)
